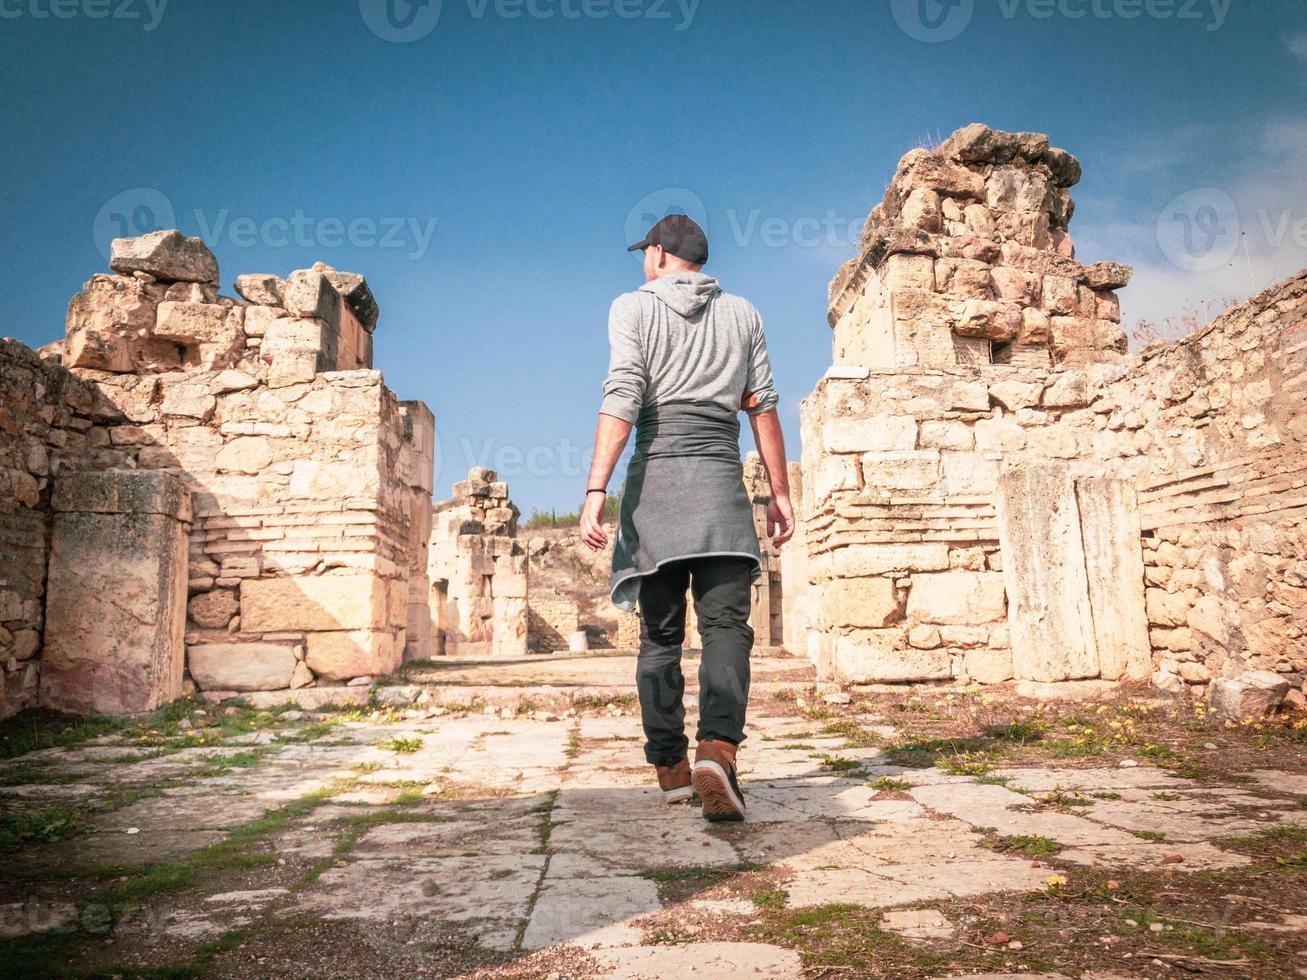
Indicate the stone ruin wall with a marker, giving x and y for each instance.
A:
(981, 407)
(551, 622)
(478, 571)
(49, 422)
(304, 484)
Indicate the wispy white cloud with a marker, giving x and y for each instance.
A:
(1224, 230)
(1297, 45)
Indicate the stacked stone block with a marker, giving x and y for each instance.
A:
(50, 423)
(478, 569)
(968, 260)
(309, 484)
(1099, 520)
(551, 622)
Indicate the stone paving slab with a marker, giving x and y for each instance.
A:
(520, 834)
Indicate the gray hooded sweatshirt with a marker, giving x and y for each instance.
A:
(683, 355)
(681, 338)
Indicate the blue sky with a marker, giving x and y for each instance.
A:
(484, 168)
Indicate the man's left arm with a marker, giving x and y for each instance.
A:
(760, 401)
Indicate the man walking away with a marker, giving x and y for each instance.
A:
(686, 358)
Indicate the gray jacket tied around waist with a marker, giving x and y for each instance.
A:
(683, 354)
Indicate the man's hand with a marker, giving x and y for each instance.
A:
(592, 516)
(780, 520)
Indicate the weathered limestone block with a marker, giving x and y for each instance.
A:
(878, 656)
(116, 597)
(919, 168)
(241, 666)
(987, 666)
(977, 143)
(1108, 275)
(1018, 189)
(1049, 616)
(314, 602)
(1015, 286)
(879, 433)
(317, 480)
(1255, 694)
(356, 293)
(1166, 608)
(1114, 563)
(989, 319)
(908, 470)
(910, 272)
(108, 328)
(1060, 296)
(216, 332)
(957, 598)
(189, 400)
(213, 610)
(246, 454)
(965, 278)
(921, 210)
(1035, 327)
(859, 560)
(358, 653)
(262, 290)
(166, 255)
(310, 295)
(867, 602)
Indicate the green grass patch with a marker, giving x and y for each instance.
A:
(1031, 846)
(772, 898)
(1019, 732)
(853, 733)
(889, 783)
(921, 753)
(400, 743)
(840, 936)
(40, 824)
(1153, 835)
(837, 763)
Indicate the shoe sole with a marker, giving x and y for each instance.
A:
(720, 804)
(681, 794)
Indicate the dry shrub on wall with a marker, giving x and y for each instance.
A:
(1190, 320)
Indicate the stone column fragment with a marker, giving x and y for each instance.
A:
(1049, 616)
(116, 608)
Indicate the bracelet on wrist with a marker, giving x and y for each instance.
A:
(604, 492)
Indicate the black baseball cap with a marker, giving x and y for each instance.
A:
(680, 235)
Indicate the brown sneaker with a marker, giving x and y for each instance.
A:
(675, 782)
(715, 782)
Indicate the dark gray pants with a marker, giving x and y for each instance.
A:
(720, 587)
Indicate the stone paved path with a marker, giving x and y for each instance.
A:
(438, 842)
